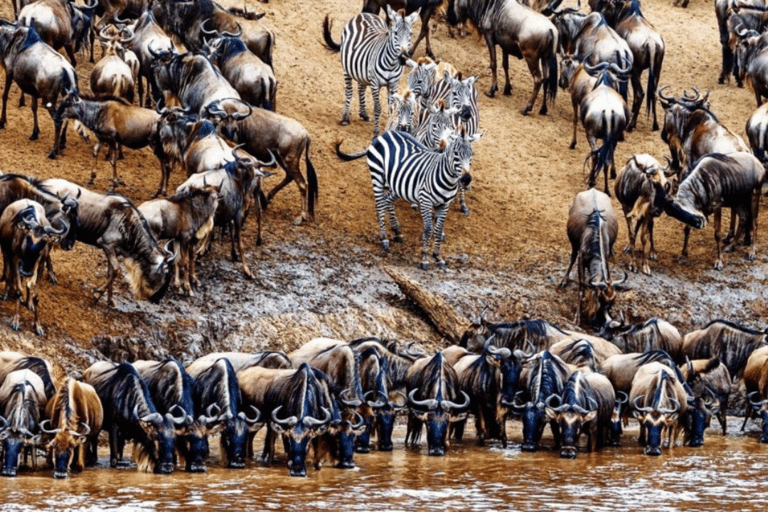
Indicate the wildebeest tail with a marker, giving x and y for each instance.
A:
(345, 156)
(654, 72)
(329, 42)
(311, 181)
(550, 84)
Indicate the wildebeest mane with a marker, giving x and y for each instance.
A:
(176, 390)
(734, 325)
(481, 378)
(231, 46)
(40, 368)
(30, 38)
(546, 377)
(579, 351)
(351, 375)
(22, 411)
(218, 385)
(397, 366)
(121, 393)
(592, 245)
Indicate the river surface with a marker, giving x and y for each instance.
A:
(728, 473)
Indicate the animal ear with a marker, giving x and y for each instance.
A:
(551, 414)
(390, 12)
(413, 16)
(446, 75)
(591, 415)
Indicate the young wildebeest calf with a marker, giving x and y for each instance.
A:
(25, 233)
(592, 229)
(719, 181)
(187, 218)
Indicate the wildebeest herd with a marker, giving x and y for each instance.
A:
(214, 115)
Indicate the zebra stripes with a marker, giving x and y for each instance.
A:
(402, 168)
(371, 55)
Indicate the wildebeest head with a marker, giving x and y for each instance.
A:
(234, 436)
(616, 428)
(31, 235)
(655, 418)
(62, 447)
(13, 441)
(569, 65)
(696, 419)
(299, 431)
(571, 415)
(161, 432)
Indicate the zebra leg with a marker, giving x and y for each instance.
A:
(393, 222)
(361, 94)
(426, 216)
(462, 202)
(347, 99)
(440, 214)
(382, 206)
(376, 92)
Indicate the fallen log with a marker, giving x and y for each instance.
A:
(446, 320)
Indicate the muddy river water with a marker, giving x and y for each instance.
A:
(728, 473)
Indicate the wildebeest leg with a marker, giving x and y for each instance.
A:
(424, 15)
(32, 289)
(71, 54)
(575, 121)
(652, 254)
(722, 415)
(630, 248)
(644, 243)
(96, 150)
(718, 238)
(755, 211)
(492, 54)
(113, 161)
(441, 213)
(114, 457)
(505, 67)
(347, 99)
(538, 80)
(592, 141)
(269, 446)
(165, 176)
(237, 236)
(637, 98)
(686, 236)
(112, 266)
(747, 413)
(36, 128)
(574, 254)
(361, 99)
(45, 262)
(6, 90)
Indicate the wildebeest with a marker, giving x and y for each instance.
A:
(371, 55)
(653, 334)
(131, 415)
(519, 31)
(113, 223)
(434, 392)
(659, 403)
(25, 235)
(247, 73)
(535, 335)
(635, 191)
(263, 132)
(590, 38)
(298, 407)
(171, 389)
(148, 33)
(620, 369)
(729, 342)
(39, 71)
(12, 361)
(240, 361)
(187, 218)
(116, 123)
(112, 76)
(580, 351)
(709, 379)
(757, 133)
(490, 380)
(756, 385)
(22, 400)
(752, 62)
(592, 229)
(75, 416)
(217, 386)
(585, 406)
(719, 181)
(60, 23)
(546, 376)
(575, 79)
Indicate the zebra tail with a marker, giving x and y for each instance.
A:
(311, 181)
(329, 42)
(345, 156)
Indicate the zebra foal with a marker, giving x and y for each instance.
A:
(402, 168)
(373, 55)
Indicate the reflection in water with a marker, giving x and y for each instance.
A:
(727, 473)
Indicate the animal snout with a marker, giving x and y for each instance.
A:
(568, 452)
(165, 468)
(346, 464)
(8, 472)
(437, 451)
(653, 450)
(696, 442)
(60, 474)
(197, 467)
(385, 447)
(236, 464)
(529, 447)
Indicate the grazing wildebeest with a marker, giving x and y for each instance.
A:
(592, 229)
(130, 415)
(584, 351)
(709, 379)
(546, 376)
(433, 391)
(371, 55)
(240, 361)
(113, 223)
(12, 361)
(719, 181)
(653, 334)
(756, 385)
(729, 342)
(75, 417)
(635, 191)
(25, 235)
(22, 403)
(39, 71)
(519, 31)
(490, 380)
(586, 405)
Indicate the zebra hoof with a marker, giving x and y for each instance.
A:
(399, 239)
(441, 265)
(365, 117)
(385, 245)
(424, 265)
(465, 210)
(344, 122)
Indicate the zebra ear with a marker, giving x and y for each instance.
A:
(390, 13)
(475, 137)
(447, 76)
(470, 80)
(411, 63)
(412, 17)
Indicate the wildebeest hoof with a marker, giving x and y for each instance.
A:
(441, 265)
(507, 90)
(90, 181)
(53, 154)
(35, 135)
(573, 145)
(424, 265)
(751, 256)
(718, 265)
(39, 331)
(492, 91)
(646, 270)
(2, 125)
(298, 221)
(526, 111)
(653, 257)
(15, 325)
(627, 249)
(543, 110)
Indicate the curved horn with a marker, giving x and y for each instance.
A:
(447, 404)
(52, 431)
(413, 353)
(375, 405)
(394, 405)
(579, 409)
(177, 420)
(665, 97)
(621, 397)
(50, 230)
(740, 30)
(752, 401)
(83, 434)
(429, 403)
(349, 402)
(359, 424)
(290, 421)
(103, 34)
(637, 407)
(310, 422)
(171, 256)
(129, 38)
(619, 281)
(253, 420)
(206, 31)
(664, 410)
(237, 116)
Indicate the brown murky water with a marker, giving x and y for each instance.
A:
(728, 473)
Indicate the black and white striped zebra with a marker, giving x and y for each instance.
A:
(372, 55)
(402, 168)
(404, 113)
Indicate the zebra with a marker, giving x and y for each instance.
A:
(402, 168)
(404, 113)
(372, 55)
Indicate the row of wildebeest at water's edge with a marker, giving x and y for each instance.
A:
(328, 398)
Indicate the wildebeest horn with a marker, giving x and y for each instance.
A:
(375, 405)
(665, 98)
(548, 401)
(430, 403)
(349, 402)
(514, 403)
(88, 7)
(619, 399)
(412, 353)
(177, 419)
(52, 431)
(50, 230)
(310, 422)
(448, 405)
(27, 216)
(271, 163)
(637, 407)
(591, 69)
(395, 405)
(237, 116)
(130, 36)
(360, 422)
(81, 434)
(619, 281)
(170, 254)
(620, 73)
(664, 410)
(206, 31)
(103, 34)
(4, 423)
(290, 421)
(250, 421)
(740, 30)
(579, 409)
(504, 352)
(154, 417)
(759, 403)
